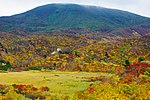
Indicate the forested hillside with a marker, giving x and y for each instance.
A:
(75, 51)
(70, 16)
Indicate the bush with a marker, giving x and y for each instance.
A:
(141, 59)
(127, 64)
(115, 92)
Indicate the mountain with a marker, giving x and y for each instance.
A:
(71, 16)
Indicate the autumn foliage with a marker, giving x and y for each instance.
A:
(128, 59)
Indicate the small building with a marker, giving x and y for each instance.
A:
(59, 50)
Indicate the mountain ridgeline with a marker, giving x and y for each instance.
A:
(71, 16)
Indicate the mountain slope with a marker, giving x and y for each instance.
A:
(70, 16)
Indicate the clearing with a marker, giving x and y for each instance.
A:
(64, 83)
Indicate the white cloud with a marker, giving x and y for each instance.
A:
(10, 7)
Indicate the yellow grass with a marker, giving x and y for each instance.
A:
(60, 83)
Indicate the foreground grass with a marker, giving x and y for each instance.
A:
(60, 83)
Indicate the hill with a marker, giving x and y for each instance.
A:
(40, 50)
(70, 16)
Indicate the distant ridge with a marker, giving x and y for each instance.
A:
(71, 16)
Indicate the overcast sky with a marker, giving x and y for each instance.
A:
(11, 7)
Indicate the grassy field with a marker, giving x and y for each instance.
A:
(60, 83)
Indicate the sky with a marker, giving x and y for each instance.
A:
(11, 7)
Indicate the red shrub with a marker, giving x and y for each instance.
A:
(134, 71)
(137, 68)
(44, 88)
(20, 86)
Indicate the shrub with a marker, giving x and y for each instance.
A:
(115, 92)
(141, 59)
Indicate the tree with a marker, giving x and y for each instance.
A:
(127, 63)
(141, 59)
(6, 66)
(106, 54)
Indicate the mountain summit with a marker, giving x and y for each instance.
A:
(71, 16)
